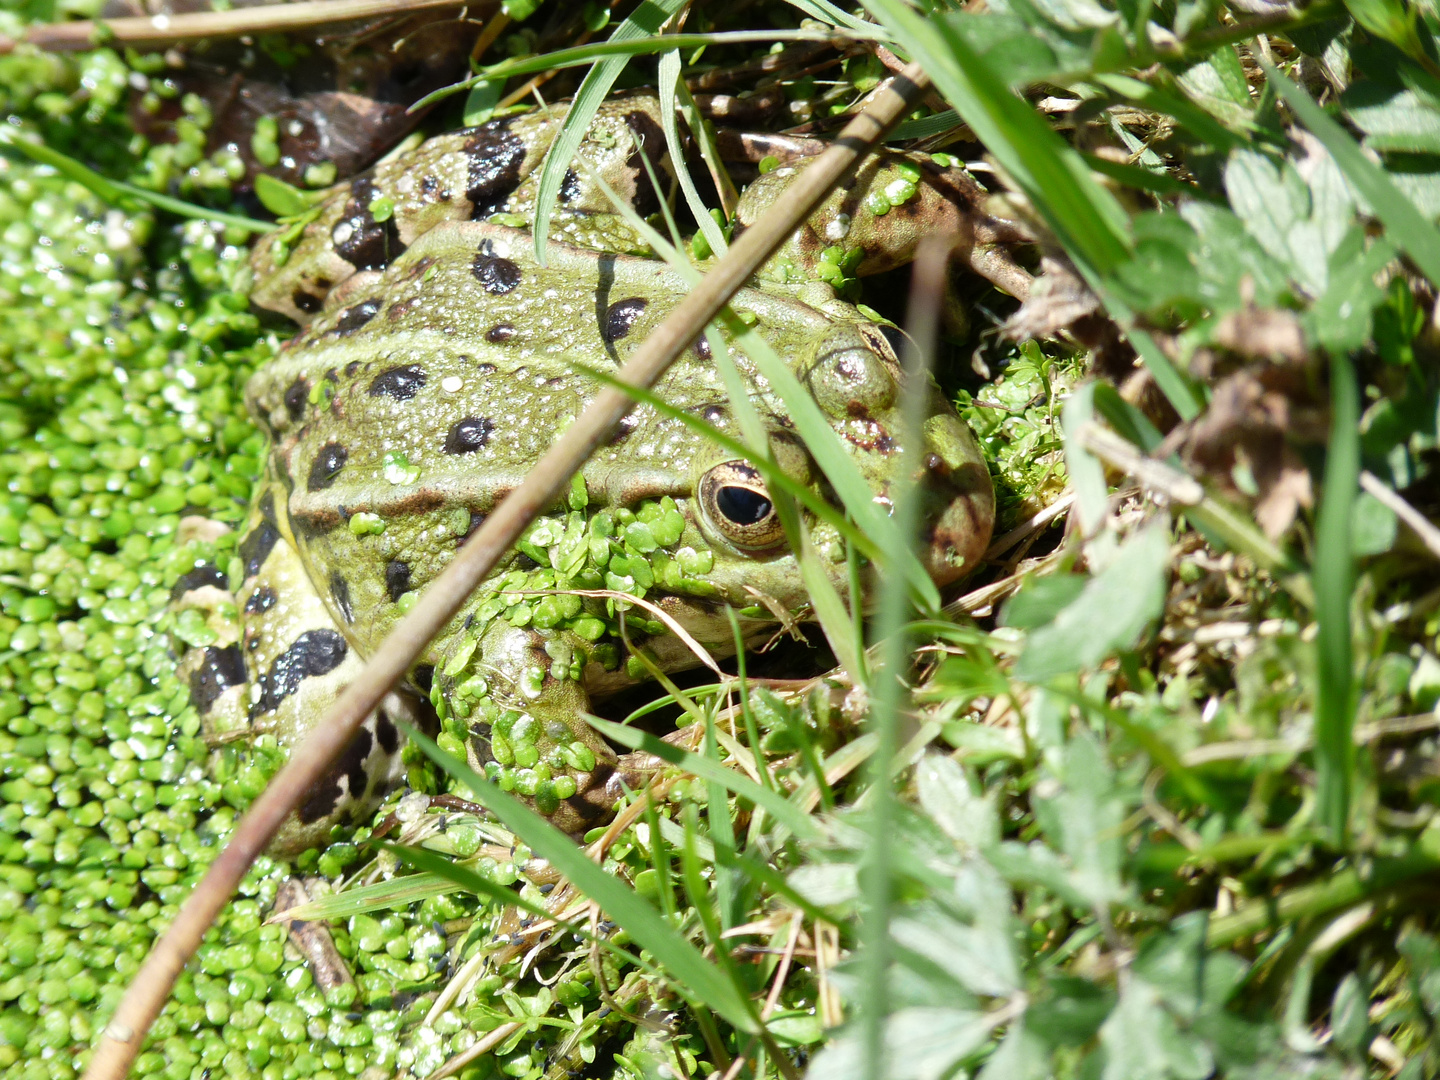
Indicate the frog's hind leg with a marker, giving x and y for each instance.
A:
(279, 676)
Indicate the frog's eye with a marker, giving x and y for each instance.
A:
(737, 504)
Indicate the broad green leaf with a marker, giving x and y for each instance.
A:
(1394, 120)
(1341, 319)
(1406, 226)
(1109, 615)
(1083, 820)
(1022, 1056)
(978, 958)
(946, 796)
(1041, 599)
(1087, 475)
(1143, 1042)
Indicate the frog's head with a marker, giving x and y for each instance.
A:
(852, 374)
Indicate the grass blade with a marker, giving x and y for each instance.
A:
(642, 23)
(695, 978)
(1334, 581)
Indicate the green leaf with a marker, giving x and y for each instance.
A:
(946, 796)
(1022, 1056)
(1405, 225)
(1110, 613)
(1142, 1041)
(1340, 320)
(1041, 599)
(1083, 820)
(1087, 474)
(694, 978)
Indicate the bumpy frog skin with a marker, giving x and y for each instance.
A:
(436, 364)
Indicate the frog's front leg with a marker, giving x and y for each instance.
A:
(875, 221)
(523, 697)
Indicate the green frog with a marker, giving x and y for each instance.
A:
(436, 361)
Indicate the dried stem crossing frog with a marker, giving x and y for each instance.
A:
(436, 362)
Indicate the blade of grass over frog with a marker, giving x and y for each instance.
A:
(168, 30)
(775, 479)
(694, 977)
(119, 193)
(1087, 219)
(547, 480)
(886, 687)
(1404, 223)
(819, 438)
(671, 80)
(359, 901)
(834, 461)
(824, 11)
(938, 124)
(835, 620)
(1334, 582)
(644, 23)
(775, 804)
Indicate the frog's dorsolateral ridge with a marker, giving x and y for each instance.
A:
(436, 362)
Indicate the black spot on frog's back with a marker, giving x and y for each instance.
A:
(397, 578)
(255, 548)
(198, 578)
(494, 156)
(220, 669)
(326, 466)
(468, 435)
(307, 302)
(350, 767)
(356, 316)
(315, 652)
(261, 601)
(500, 333)
(359, 239)
(398, 383)
(620, 317)
(340, 590)
(297, 396)
(497, 275)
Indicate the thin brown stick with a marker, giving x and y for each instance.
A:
(193, 26)
(147, 992)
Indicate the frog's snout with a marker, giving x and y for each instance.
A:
(960, 500)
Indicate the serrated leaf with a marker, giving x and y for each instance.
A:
(1110, 613)
(977, 958)
(945, 794)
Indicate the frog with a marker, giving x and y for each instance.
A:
(437, 357)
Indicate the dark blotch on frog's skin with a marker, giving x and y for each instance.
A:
(476, 520)
(350, 766)
(340, 590)
(397, 578)
(469, 435)
(256, 547)
(219, 670)
(570, 186)
(386, 733)
(399, 383)
(261, 601)
(297, 396)
(309, 303)
(620, 318)
(367, 244)
(327, 465)
(628, 423)
(423, 675)
(494, 156)
(497, 276)
(208, 574)
(500, 333)
(702, 348)
(315, 652)
(652, 140)
(353, 318)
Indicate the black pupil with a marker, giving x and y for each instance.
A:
(742, 505)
